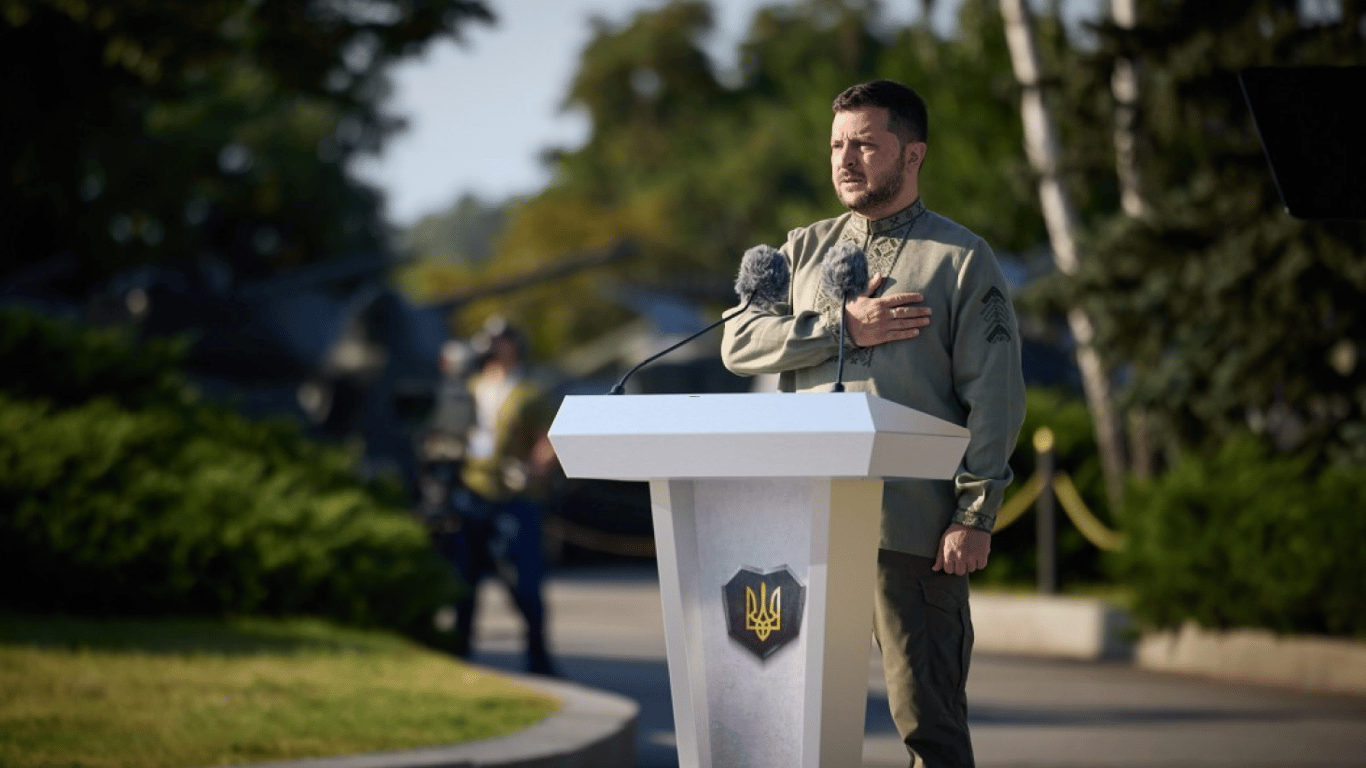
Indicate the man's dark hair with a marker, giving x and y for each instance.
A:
(907, 117)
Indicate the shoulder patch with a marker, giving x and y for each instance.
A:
(996, 314)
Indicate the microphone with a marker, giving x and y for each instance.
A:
(763, 280)
(764, 277)
(844, 275)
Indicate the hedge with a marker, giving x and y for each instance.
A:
(176, 507)
(1245, 538)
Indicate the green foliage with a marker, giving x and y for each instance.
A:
(1224, 313)
(1227, 311)
(198, 511)
(140, 501)
(213, 130)
(1243, 538)
(1014, 550)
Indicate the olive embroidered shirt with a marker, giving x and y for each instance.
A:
(964, 367)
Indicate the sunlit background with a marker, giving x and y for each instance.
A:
(241, 236)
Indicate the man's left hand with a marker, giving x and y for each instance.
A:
(963, 550)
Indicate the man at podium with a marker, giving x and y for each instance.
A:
(934, 331)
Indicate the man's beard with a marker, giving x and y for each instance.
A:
(877, 193)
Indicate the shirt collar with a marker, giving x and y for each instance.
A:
(864, 226)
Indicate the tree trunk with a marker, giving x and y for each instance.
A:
(1124, 88)
(1060, 216)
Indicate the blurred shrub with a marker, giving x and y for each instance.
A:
(1014, 549)
(1246, 539)
(183, 508)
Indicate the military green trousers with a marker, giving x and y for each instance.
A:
(923, 627)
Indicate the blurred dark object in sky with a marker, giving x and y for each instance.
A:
(1312, 136)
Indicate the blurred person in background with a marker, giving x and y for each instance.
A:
(441, 447)
(506, 461)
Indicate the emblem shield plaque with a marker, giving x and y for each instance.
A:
(764, 610)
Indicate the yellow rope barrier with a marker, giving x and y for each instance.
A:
(1018, 504)
(1093, 529)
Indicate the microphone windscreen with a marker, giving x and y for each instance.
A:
(844, 272)
(764, 275)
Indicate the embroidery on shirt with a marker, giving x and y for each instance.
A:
(882, 241)
(996, 313)
(830, 308)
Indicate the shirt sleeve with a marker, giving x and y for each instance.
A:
(989, 382)
(778, 339)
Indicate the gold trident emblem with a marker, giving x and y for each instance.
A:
(763, 614)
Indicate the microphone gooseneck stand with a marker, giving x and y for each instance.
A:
(839, 375)
(620, 387)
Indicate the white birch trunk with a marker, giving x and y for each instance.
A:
(1124, 88)
(1060, 216)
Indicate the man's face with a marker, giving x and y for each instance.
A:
(874, 175)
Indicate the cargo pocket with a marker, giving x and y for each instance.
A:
(949, 631)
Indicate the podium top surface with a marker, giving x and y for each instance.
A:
(847, 434)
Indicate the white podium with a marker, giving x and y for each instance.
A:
(766, 517)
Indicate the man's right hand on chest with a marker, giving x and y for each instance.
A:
(871, 320)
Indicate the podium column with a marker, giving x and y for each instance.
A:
(797, 696)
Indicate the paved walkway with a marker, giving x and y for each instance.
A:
(607, 633)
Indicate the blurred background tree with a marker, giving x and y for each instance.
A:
(1228, 314)
(693, 165)
(214, 132)
(212, 139)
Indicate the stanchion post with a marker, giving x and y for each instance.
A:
(1046, 523)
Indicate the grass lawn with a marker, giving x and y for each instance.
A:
(177, 694)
